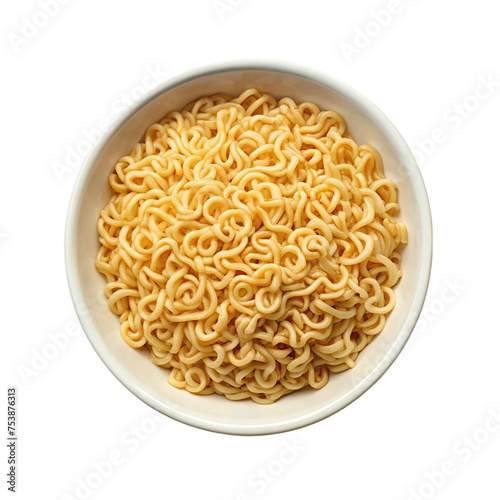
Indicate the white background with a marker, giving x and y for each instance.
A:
(427, 428)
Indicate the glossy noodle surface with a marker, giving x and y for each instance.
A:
(252, 245)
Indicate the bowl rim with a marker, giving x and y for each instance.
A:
(398, 143)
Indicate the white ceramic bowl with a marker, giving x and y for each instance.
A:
(132, 367)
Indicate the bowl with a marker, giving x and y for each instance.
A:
(132, 367)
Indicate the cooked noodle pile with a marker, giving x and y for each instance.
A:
(251, 246)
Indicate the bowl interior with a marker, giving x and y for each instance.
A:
(133, 368)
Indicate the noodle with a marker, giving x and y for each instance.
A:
(251, 246)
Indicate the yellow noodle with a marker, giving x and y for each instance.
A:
(251, 246)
